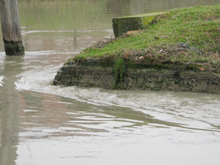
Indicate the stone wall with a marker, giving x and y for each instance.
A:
(142, 79)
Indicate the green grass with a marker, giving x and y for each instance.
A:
(185, 35)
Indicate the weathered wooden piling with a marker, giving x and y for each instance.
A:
(11, 30)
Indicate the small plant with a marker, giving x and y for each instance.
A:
(119, 70)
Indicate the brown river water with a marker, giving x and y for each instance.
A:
(42, 124)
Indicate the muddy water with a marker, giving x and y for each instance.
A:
(45, 124)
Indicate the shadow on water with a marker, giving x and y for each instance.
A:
(9, 111)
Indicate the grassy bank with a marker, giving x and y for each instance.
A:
(189, 35)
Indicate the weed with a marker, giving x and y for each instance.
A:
(119, 70)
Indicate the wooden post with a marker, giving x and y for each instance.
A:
(11, 30)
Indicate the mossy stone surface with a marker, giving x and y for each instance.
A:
(122, 25)
(122, 76)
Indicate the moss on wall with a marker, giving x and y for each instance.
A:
(123, 75)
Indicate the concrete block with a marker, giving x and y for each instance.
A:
(122, 25)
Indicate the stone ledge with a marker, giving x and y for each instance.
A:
(141, 79)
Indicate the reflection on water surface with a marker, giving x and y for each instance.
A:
(45, 124)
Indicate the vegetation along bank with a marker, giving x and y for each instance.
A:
(178, 51)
